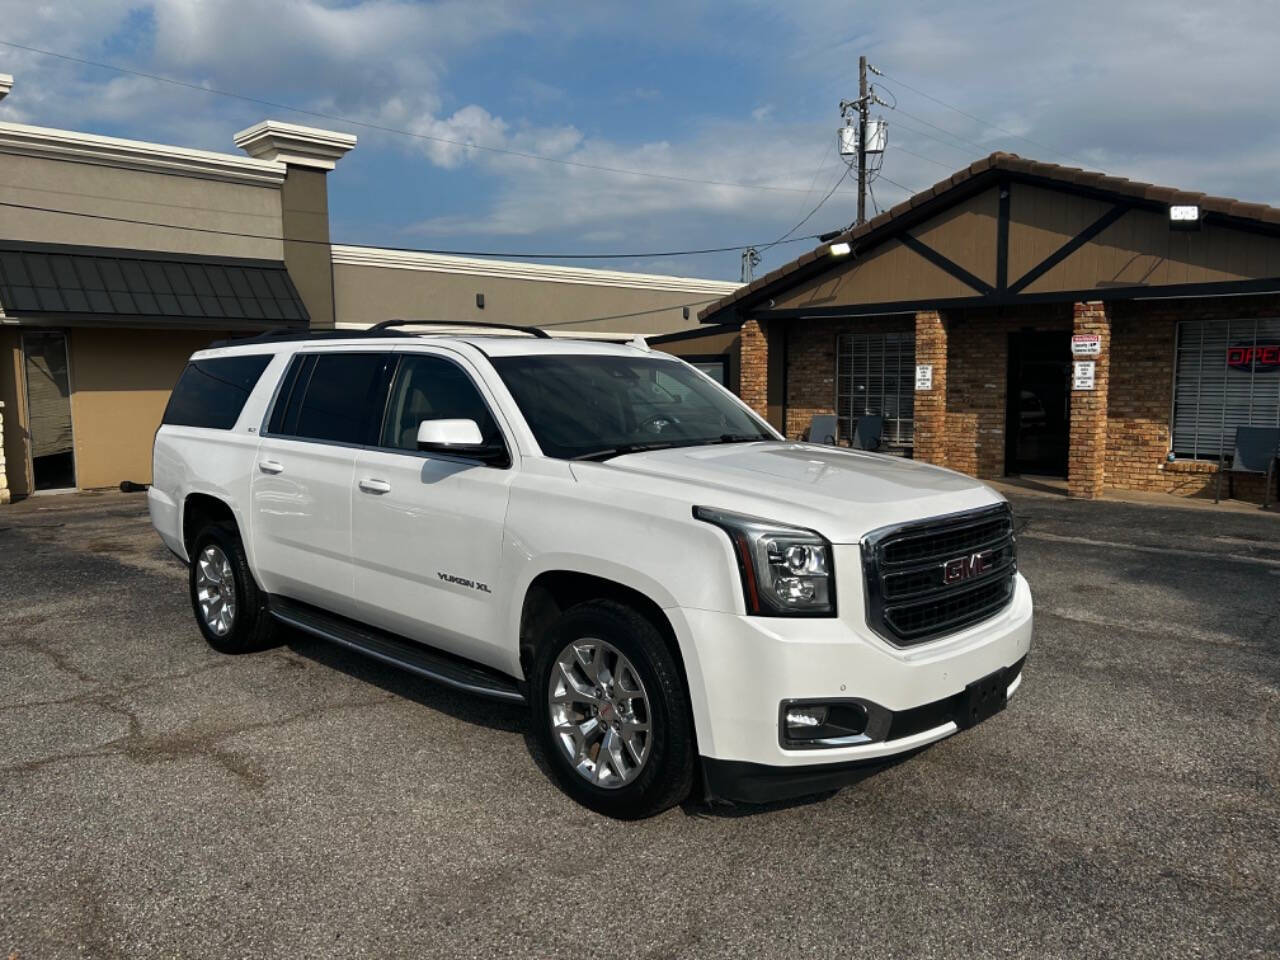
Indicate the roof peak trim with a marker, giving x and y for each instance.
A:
(983, 174)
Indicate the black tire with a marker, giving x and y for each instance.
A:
(667, 774)
(252, 627)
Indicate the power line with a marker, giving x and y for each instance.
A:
(920, 156)
(371, 246)
(835, 186)
(637, 313)
(506, 151)
(910, 191)
(956, 136)
(934, 137)
(986, 123)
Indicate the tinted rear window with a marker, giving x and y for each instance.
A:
(211, 393)
(331, 397)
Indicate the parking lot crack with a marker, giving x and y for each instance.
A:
(60, 660)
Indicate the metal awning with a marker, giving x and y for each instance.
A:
(53, 283)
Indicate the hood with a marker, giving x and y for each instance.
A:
(841, 493)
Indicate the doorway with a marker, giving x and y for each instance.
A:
(44, 362)
(1038, 413)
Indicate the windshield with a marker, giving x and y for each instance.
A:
(582, 407)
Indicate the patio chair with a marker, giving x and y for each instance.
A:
(1256, 451)
(868, 434)
(822, 429)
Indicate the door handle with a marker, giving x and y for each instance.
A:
(370, 485)
(271, 466)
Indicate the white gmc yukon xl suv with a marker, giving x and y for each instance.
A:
(682, 597)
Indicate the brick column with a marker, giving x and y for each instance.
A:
(931, 405)
(4, 477)
(753, 367)
(1086, 470)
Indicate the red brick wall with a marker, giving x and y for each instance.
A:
(969, 354)
(977, 382)
(1144, 337)
(1139, 407)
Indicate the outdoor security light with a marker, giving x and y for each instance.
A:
(841, 249)
(1184, 216)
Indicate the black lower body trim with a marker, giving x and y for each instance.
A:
(742, 782)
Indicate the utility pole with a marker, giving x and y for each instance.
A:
(863, 104)
(869, 135)
(750, 260)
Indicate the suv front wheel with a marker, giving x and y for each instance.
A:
(611, 712)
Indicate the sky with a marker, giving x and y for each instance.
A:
(716, 121)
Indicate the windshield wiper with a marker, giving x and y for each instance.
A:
(625, 448)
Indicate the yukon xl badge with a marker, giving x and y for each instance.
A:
(966, 568)
(464, 582)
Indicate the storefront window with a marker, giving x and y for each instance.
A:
(1227, 376)
(875, 374)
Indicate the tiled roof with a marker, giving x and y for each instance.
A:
(988, 168)
(49, 280)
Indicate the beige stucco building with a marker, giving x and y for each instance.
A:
(119, 258)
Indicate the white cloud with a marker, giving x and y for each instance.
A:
(1165, 90)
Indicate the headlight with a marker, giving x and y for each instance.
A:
(786, 571)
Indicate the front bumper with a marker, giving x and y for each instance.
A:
(912, 730)
(740, 669)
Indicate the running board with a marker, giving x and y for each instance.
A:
(424, 661)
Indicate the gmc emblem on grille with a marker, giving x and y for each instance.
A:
(966, 568)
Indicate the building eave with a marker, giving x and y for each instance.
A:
(76, 147)
(517, 270)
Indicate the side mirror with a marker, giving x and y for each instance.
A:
(462, 438)
(447, 435)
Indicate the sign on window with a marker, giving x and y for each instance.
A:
(1226, 375)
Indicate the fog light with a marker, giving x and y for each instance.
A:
(842, 723)
(802, 718)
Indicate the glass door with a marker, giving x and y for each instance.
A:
(44, 360)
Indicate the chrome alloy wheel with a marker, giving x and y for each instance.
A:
(600, 713)
(216, 590)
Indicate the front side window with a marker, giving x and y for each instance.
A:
(211, 393)
(330, 397)
(597, 406)
(1227, 376)
(432, 388)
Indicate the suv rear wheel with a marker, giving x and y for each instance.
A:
(611, 711)
(230, 609)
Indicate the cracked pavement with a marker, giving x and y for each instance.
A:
(158, 799)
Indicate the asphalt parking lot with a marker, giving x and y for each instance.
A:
(158, 799)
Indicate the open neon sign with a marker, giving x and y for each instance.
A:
(1256, 358)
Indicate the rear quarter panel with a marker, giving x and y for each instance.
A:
(219, 463)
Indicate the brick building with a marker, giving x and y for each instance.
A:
(1024, 318)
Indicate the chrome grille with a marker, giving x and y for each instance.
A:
(925, 580)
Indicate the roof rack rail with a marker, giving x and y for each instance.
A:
(387, 324)
(285, 334)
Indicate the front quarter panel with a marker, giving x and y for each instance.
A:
(649, 543)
